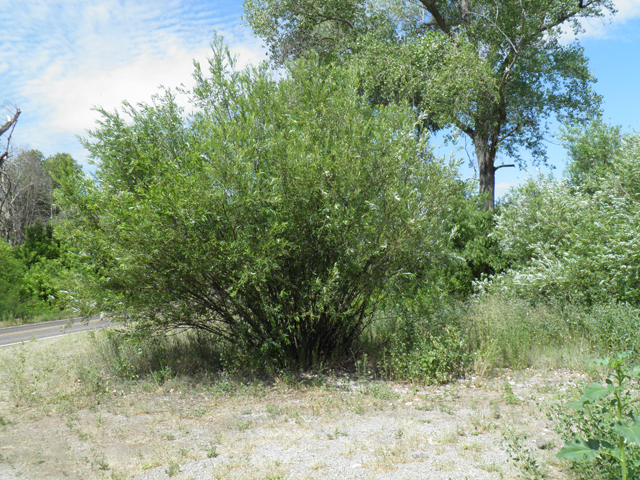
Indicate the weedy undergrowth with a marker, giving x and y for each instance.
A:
(522, 456)
(611, 431)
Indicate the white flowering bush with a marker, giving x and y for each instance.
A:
(561, 240)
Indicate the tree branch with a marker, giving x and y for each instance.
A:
(464, 11)
(502, 166)
(430, 5)
(337, 19)
(10, 122)
(507, 135)
(465, 128)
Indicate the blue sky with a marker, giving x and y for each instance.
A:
(59, 58)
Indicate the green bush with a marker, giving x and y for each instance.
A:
(11, 273)
(430, 359)
(39, 245)
(476, 249)
(274, 216)
(567, 243)
(419, 339)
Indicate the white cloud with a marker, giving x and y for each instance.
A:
(506, 185)
(606, 27)
(73, 56)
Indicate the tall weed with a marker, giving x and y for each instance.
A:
(506, 331)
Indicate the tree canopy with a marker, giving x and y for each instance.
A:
(495, 71)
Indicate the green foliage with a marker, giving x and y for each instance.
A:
(605, 418)
(62, 168)
(613, 327)
(430, 359)
(473, 242)
(420, 340)
(27, 221)
(274, 216)
(45, 281)
(493, 71)
(591, 151)
(510, 332)
(47, 272)
(39, 244)
(11, 273)
(27, 289)
(507, 331)
(406, 71)
(580, 244)
(343, 19)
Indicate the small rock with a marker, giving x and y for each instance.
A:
(542, 444)
(419, 455)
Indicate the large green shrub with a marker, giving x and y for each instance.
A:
(274, 215)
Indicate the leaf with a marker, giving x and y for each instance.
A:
(630, 434)
(578, 450)
(601, 361)
(577, 405)
(594, 392)
(635, 371)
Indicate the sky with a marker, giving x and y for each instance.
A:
(60, 58)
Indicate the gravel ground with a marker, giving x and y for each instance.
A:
(342, 429)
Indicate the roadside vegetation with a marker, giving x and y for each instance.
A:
(35, 267)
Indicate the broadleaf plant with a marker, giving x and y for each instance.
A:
(615, 398)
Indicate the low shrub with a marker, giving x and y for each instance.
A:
(432, 359)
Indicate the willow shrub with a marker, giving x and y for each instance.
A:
(276, 214)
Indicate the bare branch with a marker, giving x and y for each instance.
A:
(10, 122)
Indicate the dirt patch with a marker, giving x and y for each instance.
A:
(331, 428)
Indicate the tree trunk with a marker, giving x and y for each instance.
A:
(487, 171)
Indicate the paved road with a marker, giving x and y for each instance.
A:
(55, 328)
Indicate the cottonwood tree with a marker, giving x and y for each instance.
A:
(495, 71)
